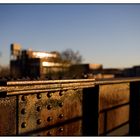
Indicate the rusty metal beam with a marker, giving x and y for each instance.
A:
(62, 107)
(26, 87)
(116, 80)
(8, 116)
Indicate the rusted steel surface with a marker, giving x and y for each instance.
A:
(55, 107)
(8, 116)
(114, 108)
(47, 107)
(117, 80)
(51, 113)
(26, 87)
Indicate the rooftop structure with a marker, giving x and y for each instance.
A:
(33, 63)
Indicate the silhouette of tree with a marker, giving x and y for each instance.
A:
(70, 57)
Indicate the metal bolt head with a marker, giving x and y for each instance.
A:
(39, 96)
(49, 119)
(61, 129)
(39, 108)
(49, 95)
(39, 121)
(23, 125)
(61, 104)
(61, 93)
(23, 111)
(61, 116)
(24, 98)
(49, 107)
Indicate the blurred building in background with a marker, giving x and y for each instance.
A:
(37, 64)
(30, 63)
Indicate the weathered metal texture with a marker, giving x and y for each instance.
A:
(48, 107)
(50, 113)
(114, 109)
(8, 116)
(55, 107)
(27, 87)
(117, 80)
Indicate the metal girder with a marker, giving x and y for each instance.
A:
(8, 116)
(30, 87)
(50, 113)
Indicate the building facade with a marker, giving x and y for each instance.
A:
(28, 63)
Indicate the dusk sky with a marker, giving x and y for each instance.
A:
(107, 34)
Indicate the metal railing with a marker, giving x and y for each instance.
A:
(70, 107)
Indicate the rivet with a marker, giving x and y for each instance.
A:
(23, 125)
(61, 93)
(39, 96)
(61, 104)
(49, 107)
(61, 116)
(39, 108)
(39, 121)
(61, 129)
(49, 94)
(49, 133)
(23, 111)
(23, 98)
(49, 119)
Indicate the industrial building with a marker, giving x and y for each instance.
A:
(38, 64)
(28, 63)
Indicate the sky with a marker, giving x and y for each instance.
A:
(107, 34)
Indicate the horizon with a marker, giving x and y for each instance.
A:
(107, 34)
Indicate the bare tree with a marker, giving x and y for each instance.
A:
(70, 57)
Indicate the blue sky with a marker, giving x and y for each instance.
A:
(108, 34)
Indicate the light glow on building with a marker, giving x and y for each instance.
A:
(43, 55)
(50, 64)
